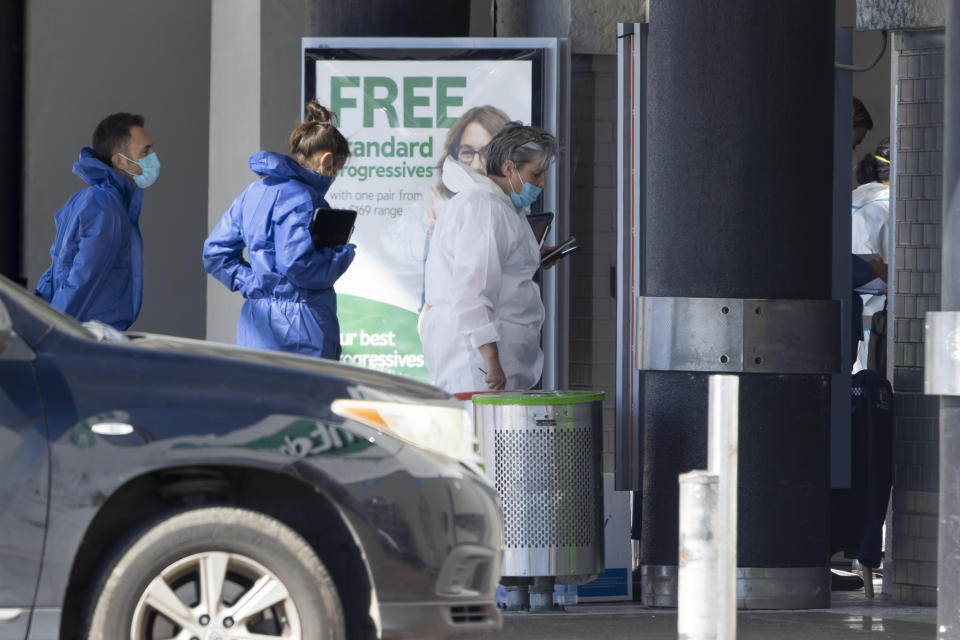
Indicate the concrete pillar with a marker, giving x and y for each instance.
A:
(234, 133)
(739, 205)
(917, 192)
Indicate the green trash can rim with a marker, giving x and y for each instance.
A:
(538, 398)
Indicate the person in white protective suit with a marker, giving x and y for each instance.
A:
(871, 222)
(481, 327)
(466, 141)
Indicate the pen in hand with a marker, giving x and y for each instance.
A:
(482, 371)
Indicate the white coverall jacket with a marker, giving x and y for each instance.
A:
(479, 287)
(871, 214)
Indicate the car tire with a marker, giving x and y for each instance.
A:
(268, 579)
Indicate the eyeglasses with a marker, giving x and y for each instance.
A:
(466, 153)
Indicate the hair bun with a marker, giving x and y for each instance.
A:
(318, 113)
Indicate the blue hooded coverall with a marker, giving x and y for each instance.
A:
(288, 284)
(97, 255)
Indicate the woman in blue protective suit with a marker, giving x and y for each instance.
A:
(288, 284)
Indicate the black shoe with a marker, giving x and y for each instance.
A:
(845, 581)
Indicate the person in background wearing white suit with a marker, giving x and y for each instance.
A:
(871, 222)
(481, 329)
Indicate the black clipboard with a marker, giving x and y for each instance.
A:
(331, 227)
(540, 223)
(569, 246)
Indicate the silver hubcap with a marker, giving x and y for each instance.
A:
(215, 596)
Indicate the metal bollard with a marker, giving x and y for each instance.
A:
(697, 567)
(707, 575)
(723, 427)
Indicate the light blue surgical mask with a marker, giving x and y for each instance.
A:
(150, 168)
(528, 193)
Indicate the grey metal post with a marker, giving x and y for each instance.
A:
(697, 585)
(631, 146)
(948, 560)
(707, 565)
(722, 455)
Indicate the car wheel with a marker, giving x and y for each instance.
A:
(216, 573)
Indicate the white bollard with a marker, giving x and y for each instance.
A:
(722, 455)
(697, 583)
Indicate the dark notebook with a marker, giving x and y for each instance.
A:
(332, 227)
(540, 223)
(569, 246)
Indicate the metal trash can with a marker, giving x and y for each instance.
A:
(543, 452)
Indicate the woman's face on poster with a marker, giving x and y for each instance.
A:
(472, 144)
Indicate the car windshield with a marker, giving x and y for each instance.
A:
(39, 308)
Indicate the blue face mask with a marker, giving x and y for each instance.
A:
(527, 196)
(150, 168)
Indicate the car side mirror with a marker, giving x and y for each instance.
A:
(6, 329)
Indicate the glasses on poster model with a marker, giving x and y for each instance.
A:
(465, 153)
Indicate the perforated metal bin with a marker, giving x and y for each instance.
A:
(543, 452)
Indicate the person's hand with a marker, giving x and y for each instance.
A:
(496, 379)
(493, 373)
(544, 251)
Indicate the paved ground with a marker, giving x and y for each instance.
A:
(851, 616)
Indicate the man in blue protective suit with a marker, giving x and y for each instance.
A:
(97, 255)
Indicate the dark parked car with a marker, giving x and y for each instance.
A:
(155, 487)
